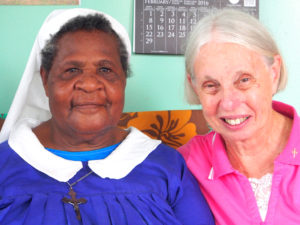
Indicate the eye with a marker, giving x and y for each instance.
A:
(105, 70)
(210, 87)
(72, 70)
(108, 73)
(245, 81)
(69, 73)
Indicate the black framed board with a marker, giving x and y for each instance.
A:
(162, 26)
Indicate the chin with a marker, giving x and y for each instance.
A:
(90, 128)
(238, 136)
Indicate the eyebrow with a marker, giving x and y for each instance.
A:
(80, 63)
(237, 74)
(104, 62)
(73, 63)
(241, 72)
(208, 77)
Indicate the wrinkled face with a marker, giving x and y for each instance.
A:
(235, 87)
(86, 83)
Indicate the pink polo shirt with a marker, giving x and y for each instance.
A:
(229, 193)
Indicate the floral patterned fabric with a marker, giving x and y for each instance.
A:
(173, 127)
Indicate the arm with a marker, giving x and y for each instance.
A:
(190, 205)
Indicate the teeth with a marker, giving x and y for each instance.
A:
(235, 121)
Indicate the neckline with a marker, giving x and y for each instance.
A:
(84, 156)
(132, 151)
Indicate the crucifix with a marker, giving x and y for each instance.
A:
(75, 202)
(294, 152)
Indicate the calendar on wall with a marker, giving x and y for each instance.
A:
(162, 26)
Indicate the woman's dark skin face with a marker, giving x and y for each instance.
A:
(85, 86)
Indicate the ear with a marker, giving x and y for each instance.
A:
(44, 76)
(190, 81)
(191, 90)
(189, 78)
(275, 72)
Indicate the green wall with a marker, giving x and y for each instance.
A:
(157, 81)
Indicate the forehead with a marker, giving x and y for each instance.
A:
(223, 56)
(88, 40)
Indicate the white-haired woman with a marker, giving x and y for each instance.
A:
(248, 166)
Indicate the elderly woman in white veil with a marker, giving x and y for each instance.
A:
(71, 164)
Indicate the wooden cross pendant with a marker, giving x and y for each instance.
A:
(75, 202)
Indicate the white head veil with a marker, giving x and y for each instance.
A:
(30, 100)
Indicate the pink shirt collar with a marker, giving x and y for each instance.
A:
(220, 162)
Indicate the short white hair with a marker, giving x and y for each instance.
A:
(231, 26)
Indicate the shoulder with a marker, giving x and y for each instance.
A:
(166, 156)
(168, 162)
(198, 154)
(8, 155)
(5, 151)
(9, 162)
(197, 145)
(155, 150)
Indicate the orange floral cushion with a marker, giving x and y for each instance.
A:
(173, 127)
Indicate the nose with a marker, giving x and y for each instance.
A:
(89, 83)
(230, 99)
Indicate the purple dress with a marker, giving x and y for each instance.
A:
(160, 190)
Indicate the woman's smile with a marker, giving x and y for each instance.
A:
(89, 107)
(235, 122)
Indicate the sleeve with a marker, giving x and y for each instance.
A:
(190, 205)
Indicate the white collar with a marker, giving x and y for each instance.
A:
(130, 153)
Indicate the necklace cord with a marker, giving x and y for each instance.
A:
(80, 179)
